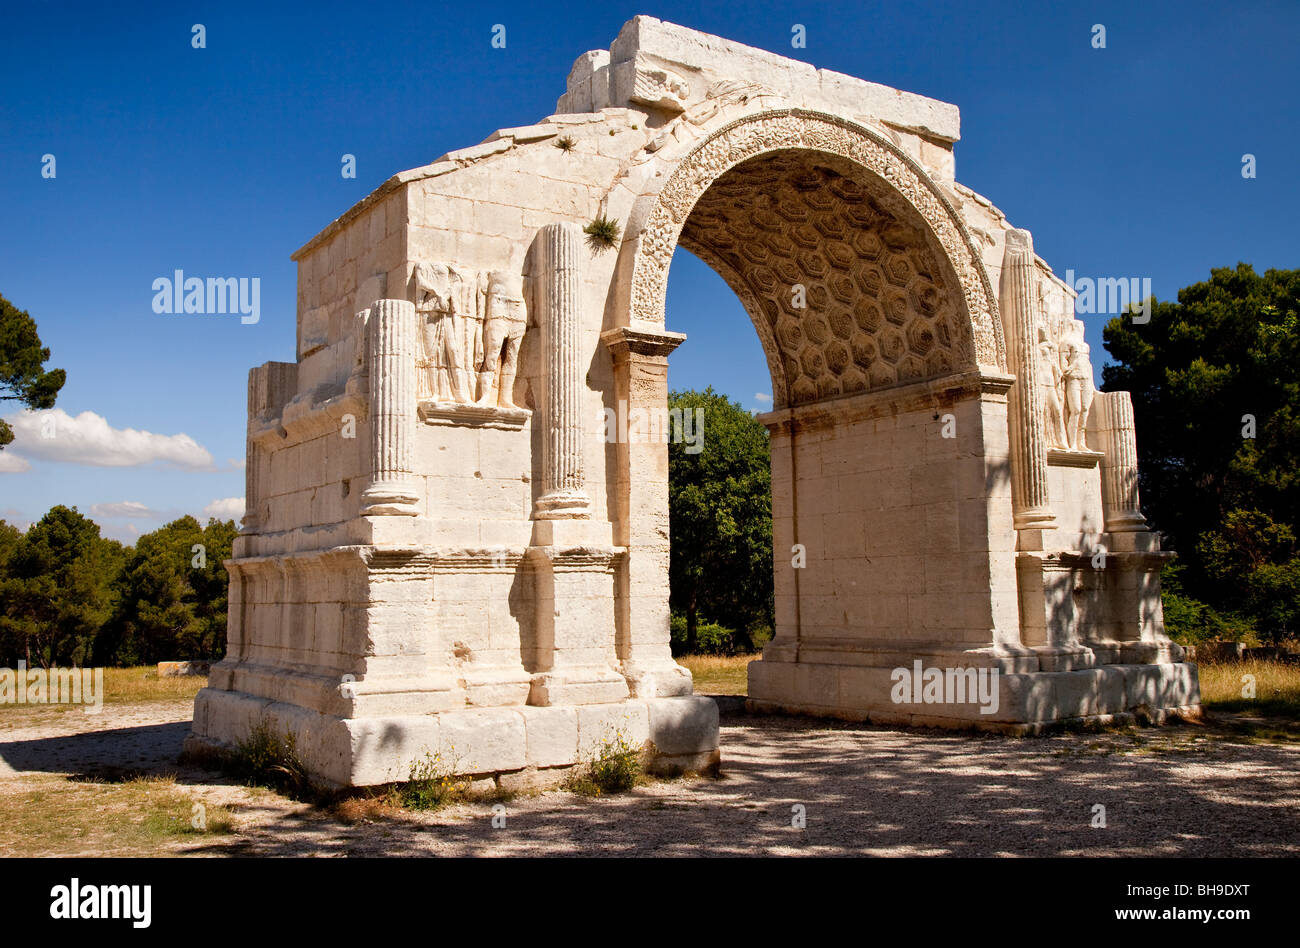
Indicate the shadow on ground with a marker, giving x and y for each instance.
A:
(1182, 790)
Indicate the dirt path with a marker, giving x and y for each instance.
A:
(1172, 791)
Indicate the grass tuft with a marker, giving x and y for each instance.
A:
(268, 759)
(431, 783)
(602, 233)
(616, 768)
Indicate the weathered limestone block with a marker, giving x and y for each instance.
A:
(573, 585)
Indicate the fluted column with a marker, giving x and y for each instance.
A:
(1119, 467)
(391, 332)
(252, 461)
(560, 285)
(1018, 302)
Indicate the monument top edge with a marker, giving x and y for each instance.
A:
(661, 64)
(663, 70)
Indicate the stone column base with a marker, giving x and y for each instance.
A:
(1019, 702)
(517, 747)
(579, 685)
(497, 687)
(663, 679)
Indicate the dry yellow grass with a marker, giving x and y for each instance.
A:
(718, 674)
(141, 683)
(1277, 688)
(137, 685)
(367, 808)
(140, 816)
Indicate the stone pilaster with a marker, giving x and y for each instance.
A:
(270, 386)
(1018, 301)
(560, 286)
(252, 462)
(640, 515)
(391, 361)
(1112, 415)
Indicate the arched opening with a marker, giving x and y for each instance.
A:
(889, 457)
(719, 473)
(885, 488)
(848, 295)
(845, 289)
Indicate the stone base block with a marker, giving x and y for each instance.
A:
(182, 669)
(665, 679)
(527, 747)
(595, 685)
(973, 698)
(494, 688)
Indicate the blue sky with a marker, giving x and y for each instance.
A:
(1123, 161)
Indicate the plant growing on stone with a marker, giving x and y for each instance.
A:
(564, 143)
(265, 758)
(615, 768)
(431, 782)
(602, 233)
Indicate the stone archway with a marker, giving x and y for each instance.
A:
(891, 373)
(444, 548)
(886, 174)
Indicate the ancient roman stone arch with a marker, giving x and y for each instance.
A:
(840, 175)
(456, 536)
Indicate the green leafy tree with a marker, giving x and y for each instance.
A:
(9, 539)
(720, 517)
(22, 365)
(57, 590)
(1215, 379)
(172, 596)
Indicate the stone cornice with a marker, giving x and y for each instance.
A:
(846, 409)
(623, 341)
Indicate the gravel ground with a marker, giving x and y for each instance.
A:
(1182, 790)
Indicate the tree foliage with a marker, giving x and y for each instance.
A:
(172, 595)
(720, 518)
(22, 365)
(70, 597)
(1206, 373)
(57, 590)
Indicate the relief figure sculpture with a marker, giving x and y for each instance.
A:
(504, 322)
(444, 305)
(1076, 369)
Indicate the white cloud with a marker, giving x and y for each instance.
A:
(124, 533)
(763, 398)
(11, 463)
(15, 518)
(228, 508)
(236, 463)
(54, 435)
(125, 509)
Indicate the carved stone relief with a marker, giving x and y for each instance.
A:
(846, 297)
(1065, 371)
(981, 337)
(1076, 382)
(471, 326)
(505, 319)
(449, 307)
